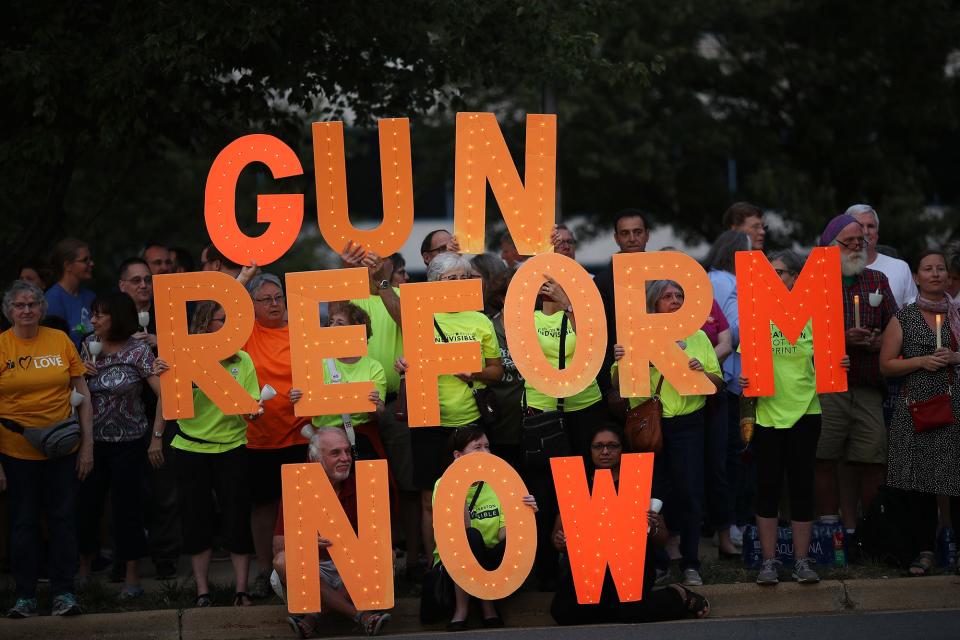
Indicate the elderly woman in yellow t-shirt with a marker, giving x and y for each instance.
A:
(39, 369)
(678, 469)
(458, 408)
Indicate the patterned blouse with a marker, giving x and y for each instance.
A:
(118, 411)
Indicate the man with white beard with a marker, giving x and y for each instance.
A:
(853, 430)
(897, 271)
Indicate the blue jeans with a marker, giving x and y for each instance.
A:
(36, 488)
(678, 481)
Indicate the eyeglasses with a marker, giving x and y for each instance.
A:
(221, 320)
(277, 299)
(139, 280)
(780, 272)
(23, 306)
(609, 446)
(467, 276)
(854, 243)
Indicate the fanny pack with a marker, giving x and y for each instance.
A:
(55, 441)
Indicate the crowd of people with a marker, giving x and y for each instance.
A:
(80, 398)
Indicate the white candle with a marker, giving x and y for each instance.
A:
(856, 311)
(144, 318)
(939, 339)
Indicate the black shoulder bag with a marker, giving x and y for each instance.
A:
(543, 433)
(486, 401)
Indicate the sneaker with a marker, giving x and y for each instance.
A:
(736, 535)
(25, 608)
(769, 573)
(130, 591)
(691, 578)
(66, 604)
(277, 585)
(802, 572)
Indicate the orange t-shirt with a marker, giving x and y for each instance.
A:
(277, 427)
(35, 385)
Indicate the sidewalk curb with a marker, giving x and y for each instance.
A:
(524, 610)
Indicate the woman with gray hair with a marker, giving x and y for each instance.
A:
(275, 439)
(39, 370)
(678, 468)
(458, 406)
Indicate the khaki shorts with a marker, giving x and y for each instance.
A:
(853, 428)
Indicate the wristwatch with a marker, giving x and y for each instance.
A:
(383, 284)
(158, 434)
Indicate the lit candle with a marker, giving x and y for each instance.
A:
(856, 311)
(939, 339)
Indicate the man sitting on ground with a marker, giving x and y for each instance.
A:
(328, 446)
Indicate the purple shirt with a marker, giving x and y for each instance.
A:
(716, 323)
(116, 391)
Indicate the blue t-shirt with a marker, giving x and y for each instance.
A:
(74, 309)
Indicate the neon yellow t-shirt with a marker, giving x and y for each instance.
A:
(697, 346)
(548, 334)
(364, 369)
(794, 380)
(222, 432)
(385, 344)
(486, 515)
(458, 407)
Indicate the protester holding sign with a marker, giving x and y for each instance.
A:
(678, 469)
(458, 404)
(923, 455)
(362, 428)
(212, 457)
(785, 440)
(120, 425)
(40, 370)
(274, 440)
(672, 603)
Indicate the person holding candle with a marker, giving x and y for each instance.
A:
(39, 368)
(851, 452)
(120, 427)
(678, 468)
(920, 343)
(212, 458)
(671, 603)
(137, 282)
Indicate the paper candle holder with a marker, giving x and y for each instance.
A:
(763, 298)
(528, 207)
(310, 343)
(195, 358)
(396, 176)
(607, 527)
(364, 558)
(451, 535)
(282, 212)
(650, 338)
(591, 334)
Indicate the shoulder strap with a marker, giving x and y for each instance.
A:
(563, 354)
(436, 325)
(476, 496)
(344, 417)
(659, 386)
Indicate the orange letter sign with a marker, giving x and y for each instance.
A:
(396, 176)
(451, 535)
(196, 357)
(652, 337)
(284, 213)
(528, 209)
(427, 359)
(364, 558)
(591, 334)
(310, 344)
(606, 528)
(763, 298)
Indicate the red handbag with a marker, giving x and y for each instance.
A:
(937, 411)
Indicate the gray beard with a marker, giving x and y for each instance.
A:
(853, 264)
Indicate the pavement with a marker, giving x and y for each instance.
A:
(527, 614)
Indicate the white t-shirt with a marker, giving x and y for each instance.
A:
(900, 277)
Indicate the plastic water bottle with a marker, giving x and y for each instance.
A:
(947, 547)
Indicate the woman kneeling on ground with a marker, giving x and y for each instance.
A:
(670, 603)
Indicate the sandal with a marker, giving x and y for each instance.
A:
(695, 604)
(303, 626)
(923, 565)
(372, 621)
(203, 600)
(242, 599)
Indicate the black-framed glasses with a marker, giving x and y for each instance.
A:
(609, 446)
(853, 244)
(466, 276)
